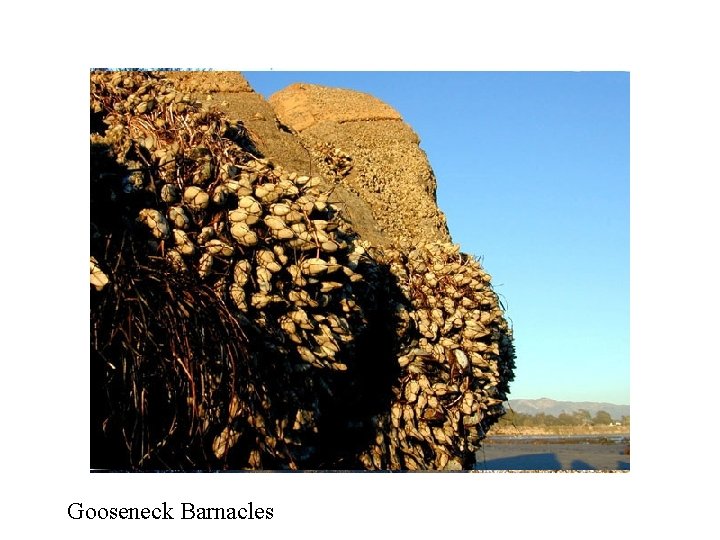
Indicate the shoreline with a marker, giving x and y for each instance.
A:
(505, 431)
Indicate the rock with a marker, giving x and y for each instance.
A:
(207, 82)
(301, 106)
(390, 172)
(300, 257)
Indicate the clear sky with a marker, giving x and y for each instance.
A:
(533, 176)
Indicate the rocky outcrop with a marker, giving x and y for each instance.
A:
(363, 144)
(368, 156)
(276, 141)
(303, 106)
(247, 312)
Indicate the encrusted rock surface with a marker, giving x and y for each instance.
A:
(363, 144)
(265, 296)
(303, 106)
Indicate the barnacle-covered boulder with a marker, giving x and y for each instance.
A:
(241, 320)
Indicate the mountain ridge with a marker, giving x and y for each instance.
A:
(556, 407)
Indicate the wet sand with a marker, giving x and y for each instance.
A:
(555, 453)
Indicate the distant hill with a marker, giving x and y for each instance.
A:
(550, 406)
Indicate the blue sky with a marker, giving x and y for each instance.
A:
(533, 176)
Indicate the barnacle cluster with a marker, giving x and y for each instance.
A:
(335, 353)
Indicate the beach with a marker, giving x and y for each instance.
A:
(606, 452)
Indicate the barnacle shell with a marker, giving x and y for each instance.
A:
(314, 266)
(218, 247)
(196, 198)
(156, 222)
(98, 278)
(170, 193)
(183, 243)
(179, 217)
